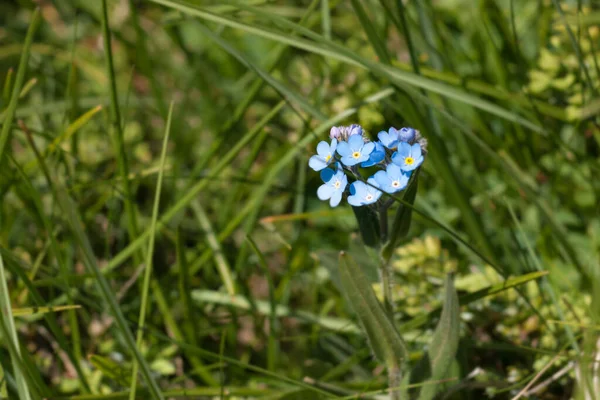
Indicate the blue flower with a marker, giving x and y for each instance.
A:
(325, 155)
(377, 156)
(408, 157)
(362, 194)
(393, 179)
(355, 150)
(406, 135)
(389, 139)
(334, 186)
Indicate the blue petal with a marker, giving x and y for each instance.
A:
(356, 143)
(381, 177)
(363, 157)
(344, 180)
(368, 148)
(360, 188)
(317, 163)
(333, 146)
(393, 171)
(327, 174)
(323, 149)
(415, 150)
(398, 159)
(325, 192)
(404, 149)
(335, 199)
(375, 158)
(354, 201)
(350, 161)
(343, 149)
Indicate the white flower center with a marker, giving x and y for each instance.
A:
(396, 184)
(369, 197)
(337, 184)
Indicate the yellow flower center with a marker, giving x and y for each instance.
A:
(328, 158)
(409, 160)
(356, 154)
(337, 184)
(369, 197)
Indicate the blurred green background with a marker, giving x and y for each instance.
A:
(243, 297)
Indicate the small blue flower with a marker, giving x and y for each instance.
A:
(408, 157)
(362, 194)
(389, 139)
(334, 186)
(377, 156)
(325, 155)
(355, 150)
(406, 135)
(393, 179)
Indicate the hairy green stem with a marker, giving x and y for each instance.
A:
(394, 379)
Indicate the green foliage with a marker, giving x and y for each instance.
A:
(245, 296)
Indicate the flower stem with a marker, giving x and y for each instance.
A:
(387, 282)
(394, 379)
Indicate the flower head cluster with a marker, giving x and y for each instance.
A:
(397, 154)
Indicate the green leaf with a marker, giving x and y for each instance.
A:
(368, 223)
(422, 319)
(402, 220)
(442, 349)
(384, 339)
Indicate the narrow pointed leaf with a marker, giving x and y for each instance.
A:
(384, 339)
(422, 319)
(444, 345)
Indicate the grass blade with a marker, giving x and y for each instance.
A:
(10, 332)
(20, 77)
(150, 252)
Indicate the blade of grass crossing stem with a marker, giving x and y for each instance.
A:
(384, 339)
(402, 219)
(9, 331)
(118, 132)
(149, 253)
(272, 344)
(70, 212)
(444, 343)
(213, 242)
(20, 77)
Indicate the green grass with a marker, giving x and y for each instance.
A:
(160, 234)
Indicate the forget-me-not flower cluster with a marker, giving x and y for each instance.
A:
(397, 154)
